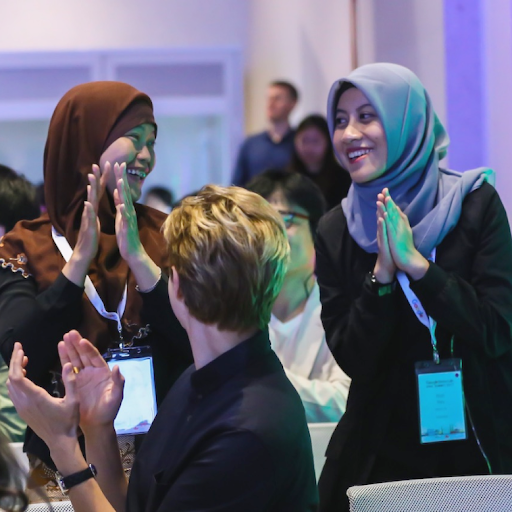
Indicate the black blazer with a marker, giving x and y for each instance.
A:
(376, 341)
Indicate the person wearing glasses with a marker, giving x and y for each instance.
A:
(295, 328)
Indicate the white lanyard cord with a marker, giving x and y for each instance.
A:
(66, 251)
(418, 308)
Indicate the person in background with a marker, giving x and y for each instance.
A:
(295, 328)
(160, 198)
(17, 199)
(314, 157)
(231, 434)
(273, 147)
(415, 281)
(81, 267)
(17, 202)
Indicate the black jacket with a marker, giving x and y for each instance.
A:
(39, 321)
(377, 339)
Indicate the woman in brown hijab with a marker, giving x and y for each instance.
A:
(41, 294)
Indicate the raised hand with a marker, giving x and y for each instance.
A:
(145, 270)
(49, 417)
(127, 229)
(401, 242)
(99, 391)
(385, 267)
(87, 242)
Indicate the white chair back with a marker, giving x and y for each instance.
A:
(484, 493)
(56, 506)
(320, 436)
(20, 455)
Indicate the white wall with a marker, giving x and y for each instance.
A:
(91, 24)
(304, 41)
(497, 86)
(407, 32)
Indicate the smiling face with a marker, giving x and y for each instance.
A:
(137, 149)
(359, 138)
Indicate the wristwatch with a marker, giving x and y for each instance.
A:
(380, 288)
(67, 482)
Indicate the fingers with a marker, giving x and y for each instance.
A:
(16, 364)
(103, 176)
(63, 353)
(89, 354)
(73, 356)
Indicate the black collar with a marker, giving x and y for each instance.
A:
(231, 363)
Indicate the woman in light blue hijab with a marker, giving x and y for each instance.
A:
(415, 275)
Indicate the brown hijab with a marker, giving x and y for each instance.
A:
(86, 121)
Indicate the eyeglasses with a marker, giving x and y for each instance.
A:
(289, 216)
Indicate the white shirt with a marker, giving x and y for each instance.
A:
(302, 349)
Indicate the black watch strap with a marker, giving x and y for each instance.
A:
(67, 482)
(380, 288)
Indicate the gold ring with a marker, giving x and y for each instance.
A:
(76, 369)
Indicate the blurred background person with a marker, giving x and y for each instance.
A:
(295, 328)
(314, 157)
(160, 198)
(17, 199)
(273, 147)
(17, 202)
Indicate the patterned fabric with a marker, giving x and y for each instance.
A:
(42, 483)
(454, 494)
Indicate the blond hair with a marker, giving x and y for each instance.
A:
(230, 250)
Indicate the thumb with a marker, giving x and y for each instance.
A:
(69, 380)
(117, 377)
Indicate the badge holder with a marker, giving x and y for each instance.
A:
(441, 401)
(138, 408)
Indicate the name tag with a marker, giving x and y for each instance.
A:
(441, 401)
(138, 408)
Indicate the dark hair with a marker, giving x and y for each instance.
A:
(297, 189)
(12, 481)
(292, 90)
(17, 198)
(164, 194)
(320, 123)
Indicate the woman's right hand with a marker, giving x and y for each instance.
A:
(99, 390)
(53, 419)
(87, 242)
(385, 267)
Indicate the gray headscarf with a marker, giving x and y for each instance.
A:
(431, 197)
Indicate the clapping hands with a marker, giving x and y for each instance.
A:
(395, 242)
(93, 392)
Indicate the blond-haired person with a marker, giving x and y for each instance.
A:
(231, 434)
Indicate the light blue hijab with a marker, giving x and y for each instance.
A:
(431, 197)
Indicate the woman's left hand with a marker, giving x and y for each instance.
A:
(127, 229)
(144, 269)
(401, 243)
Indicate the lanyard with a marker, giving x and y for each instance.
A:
(66, 251)
(418, 308)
